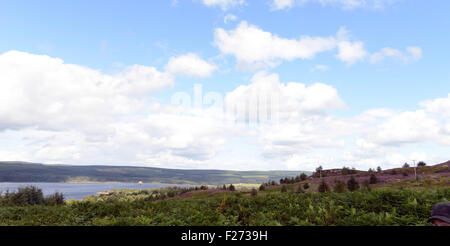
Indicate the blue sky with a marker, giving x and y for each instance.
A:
(110, 36)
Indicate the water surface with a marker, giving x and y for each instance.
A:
(78, 190)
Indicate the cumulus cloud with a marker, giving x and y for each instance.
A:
(255, 48)
(223, 4)
(55, 112)
(190, 65)
(438, 106)
(252, 45)
(413, 54)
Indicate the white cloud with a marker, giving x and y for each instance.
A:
(224, 4)
(253, 46)
(63, 113)
(351, 52)
(413, 54)
(190, 65)
(229, 18)
(344, 4)
(322, 68)
(438, 106)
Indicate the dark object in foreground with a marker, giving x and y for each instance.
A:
(441, 214)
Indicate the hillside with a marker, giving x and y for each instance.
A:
(33, 172)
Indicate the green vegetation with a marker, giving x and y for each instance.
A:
(28, 196)
(375, 208)
(31, 172)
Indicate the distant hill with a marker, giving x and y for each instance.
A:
(35, 172)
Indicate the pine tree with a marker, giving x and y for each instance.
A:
(323, 186)
(352, 184)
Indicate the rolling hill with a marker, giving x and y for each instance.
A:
(35, 172)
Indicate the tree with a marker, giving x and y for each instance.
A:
(231, 187)
(373, 179)
(224, 187)
(319, 171)
(306, 186)
(262, 188)
(303, 176)
(406, 165)
(339, 186)
(323, 186)
(379, 170)
(421, 164)
(352, 184)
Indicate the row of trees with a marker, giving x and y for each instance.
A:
(351, 185)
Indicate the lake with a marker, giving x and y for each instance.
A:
(78, 190)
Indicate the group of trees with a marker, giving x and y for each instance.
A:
(351, 185)
(297, 179)
(230, 187)
(30, 195)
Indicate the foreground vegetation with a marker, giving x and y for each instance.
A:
(243, 208)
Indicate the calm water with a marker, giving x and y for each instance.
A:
(77, 191)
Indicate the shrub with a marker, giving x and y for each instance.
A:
(421, 164)
(379, 170)
(373, 179)
(366, 185)
(405, 174)
(352, 184)
(254, 192)
(406, 165)
(323, 186)
(339, 187)
(303, 177)
(55, 199)
(262, 188)
(306, 186)
(283, 189)
(300, 189)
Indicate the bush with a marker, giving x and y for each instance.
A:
(55, 199)
(306, 186)
(366, 185)
(421, 164)
(406, 165)
(352, 184)
(373, 179)
(283, 189)
(323, 186)
(379, 170)
(300, 189)
(254, 192)
(262, 188)
(405, 174)
(339, 186)
(303, 177)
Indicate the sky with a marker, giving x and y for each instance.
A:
(225, 84)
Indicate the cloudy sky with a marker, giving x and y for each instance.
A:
(225, 84)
